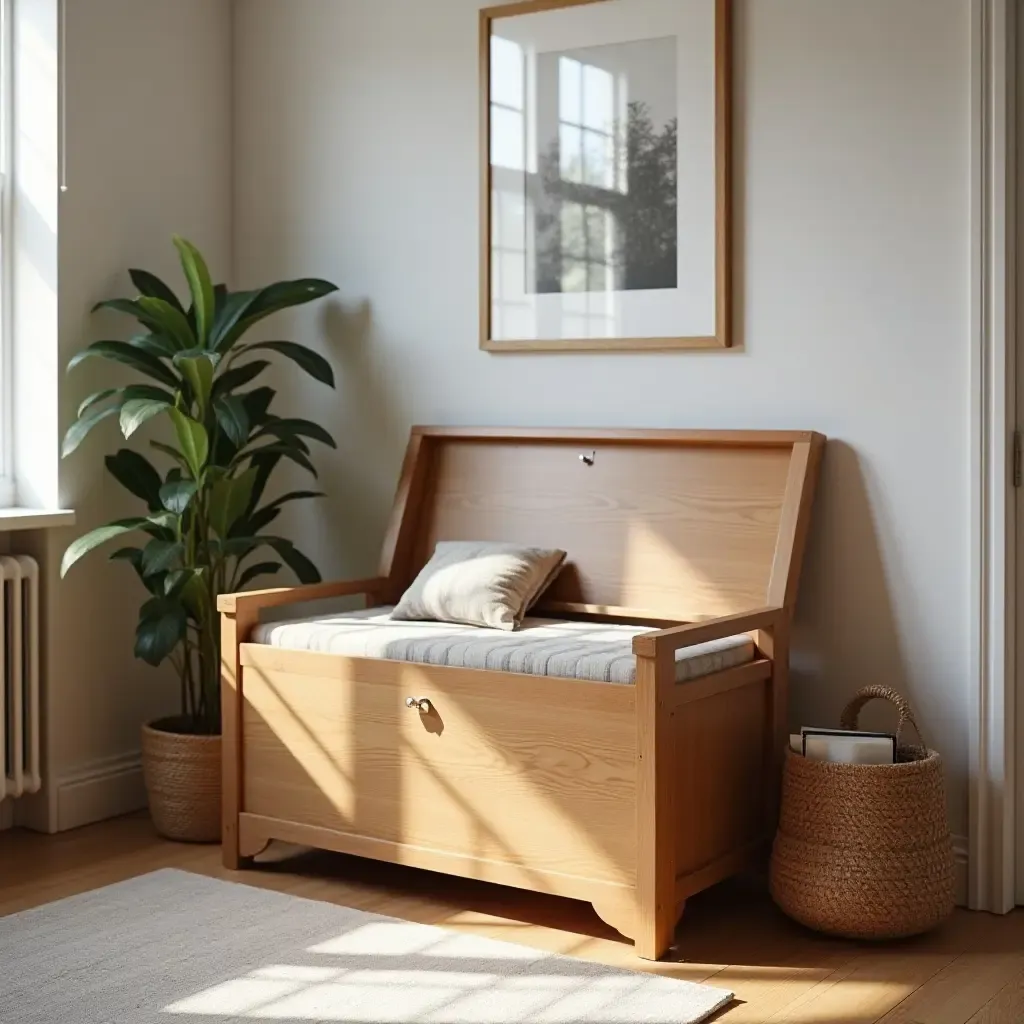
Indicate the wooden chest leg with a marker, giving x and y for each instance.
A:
(618, 910)
(234, 630)
(655, 817)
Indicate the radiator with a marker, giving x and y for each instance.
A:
(19, 653)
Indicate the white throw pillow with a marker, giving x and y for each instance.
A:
(480, 583)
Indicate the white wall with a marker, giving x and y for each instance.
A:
(149, 154)
(356, 159)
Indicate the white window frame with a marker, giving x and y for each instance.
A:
(8, 491)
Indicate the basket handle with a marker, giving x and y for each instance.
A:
(851, 713)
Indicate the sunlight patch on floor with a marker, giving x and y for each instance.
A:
(476, 995)
(387, 938)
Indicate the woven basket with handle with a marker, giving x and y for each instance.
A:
(864, 851)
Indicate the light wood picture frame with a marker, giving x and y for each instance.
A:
(595, 304)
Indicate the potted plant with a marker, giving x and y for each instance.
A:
(204, 528)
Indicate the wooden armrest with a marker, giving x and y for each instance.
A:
(254, 600)
(650, 645)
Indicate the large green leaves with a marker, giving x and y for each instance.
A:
(294, 450)
(137, 475)
(244, 309)
(257, 404)
(162, 626)
(229, 499)
(155, 344)
(122, 352)
(263, 517)
(255, 571)
(284, 429)
(81, 427)
(177, 495)
(92, 412)
(139, 411)
(81, 547)
(152, 287)
(233, 418)
(299, 564)
(264, 466)
(160, 315)
(198, 368)
(131, 307)
(160, 556)
(169, 321)
(200, 285)
(238, 376)
(204, 517)
(172, 453)
(312, 362)
(126, 394)
(193, 442)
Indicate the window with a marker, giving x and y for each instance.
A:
(7, 489)
(586, 122)
(511, 310)
(508, 101)
(589, 169)
(586, 253)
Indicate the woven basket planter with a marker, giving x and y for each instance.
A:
(182, 775)
(864, 851)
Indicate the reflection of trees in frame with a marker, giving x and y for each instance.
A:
(590, 238)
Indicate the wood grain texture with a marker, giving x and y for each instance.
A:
(627, 436)
(723, 173)
(731, 936)
(400, 538)
(257, 831)
(958, 991)
(773, 644)
(656, 806)
(678, 531)
(1006, 1007)
(252, 601)
(492, 773)
(618, 909)
(865, 990)
(721, 683)
(677, 638)
(555, 345)
(801, 487)
(719, 809)
(518, 7)
(723, 145)
(740, 858)
(234, 630)
(486, 199)
(632, 798)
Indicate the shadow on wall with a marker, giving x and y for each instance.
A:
(846, 606)
(368, 422)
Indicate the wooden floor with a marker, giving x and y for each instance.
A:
(971, 970)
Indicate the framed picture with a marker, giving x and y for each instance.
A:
(606, 214)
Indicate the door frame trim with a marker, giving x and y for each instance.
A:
(992, 751)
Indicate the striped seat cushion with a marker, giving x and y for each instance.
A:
(597, 652)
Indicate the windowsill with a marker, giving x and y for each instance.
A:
(14, 519)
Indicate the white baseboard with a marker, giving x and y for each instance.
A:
(960, 848)
(104, 789)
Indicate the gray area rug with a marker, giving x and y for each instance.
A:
(178, 948)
